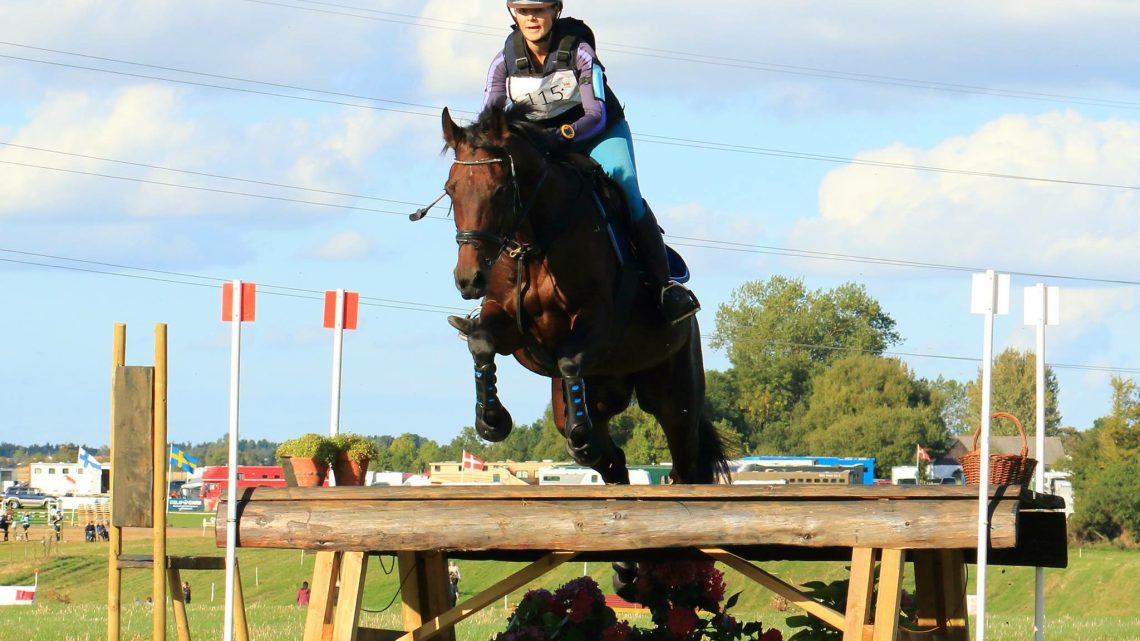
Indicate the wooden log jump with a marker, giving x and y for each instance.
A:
(935, 526)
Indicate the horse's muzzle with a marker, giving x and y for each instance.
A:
(471, 285)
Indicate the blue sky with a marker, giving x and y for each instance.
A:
(1041, 89)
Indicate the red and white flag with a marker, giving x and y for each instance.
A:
(17, 594)
(471, 462)
(922, 455)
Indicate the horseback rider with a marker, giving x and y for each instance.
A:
(549, 62)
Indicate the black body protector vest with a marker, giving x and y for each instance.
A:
(553, 91)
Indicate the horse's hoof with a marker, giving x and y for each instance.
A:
(625, 580)
(461, 323)
(586, 455)
(493, 424)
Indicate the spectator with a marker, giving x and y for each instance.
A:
(57, 524)
(5, 522)
(101, 531)
(453, 577)
(25, 523)
(303, 595)
(186, 592)
(89, 532)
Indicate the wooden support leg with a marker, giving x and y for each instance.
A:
(346, 620)
(940, 590)
(241, 625)
(426, 591)
(174, 580)
(954, 595)
(320, 612)
(859, 593)
(890, 596)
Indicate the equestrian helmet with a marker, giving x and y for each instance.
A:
(518, 4)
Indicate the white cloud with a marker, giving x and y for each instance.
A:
(348, 245)
(1011, 224)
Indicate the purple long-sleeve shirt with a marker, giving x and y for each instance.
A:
(591, 90)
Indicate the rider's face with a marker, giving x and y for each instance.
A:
(535, 23)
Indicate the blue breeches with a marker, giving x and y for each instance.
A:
(613, 150)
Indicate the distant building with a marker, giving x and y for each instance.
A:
(7, 477)
(68, 479)
(1054, 448)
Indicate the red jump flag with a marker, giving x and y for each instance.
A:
(471, 462)
(351, 309)
(248, 294)
(922, 455)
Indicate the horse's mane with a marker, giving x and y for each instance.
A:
(486, 125)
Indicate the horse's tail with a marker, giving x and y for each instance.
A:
(712, 461)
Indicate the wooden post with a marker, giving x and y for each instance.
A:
(177, 601)
(940, 592)
(346, 619)
(158, 489)
(890, 595)
(115, 547)
(320, 612)
(859, 593)
(241, 624)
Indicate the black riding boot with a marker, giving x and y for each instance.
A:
(676, 302)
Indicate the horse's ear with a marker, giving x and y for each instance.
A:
(452, 133)
(502, 130)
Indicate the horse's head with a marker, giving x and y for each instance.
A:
(484, 188)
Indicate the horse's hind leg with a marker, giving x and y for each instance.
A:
(492, 421)
(607, 399)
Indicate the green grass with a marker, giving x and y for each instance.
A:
(1096, 598)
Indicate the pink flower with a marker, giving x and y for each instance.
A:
(581, 607)
(681, 621)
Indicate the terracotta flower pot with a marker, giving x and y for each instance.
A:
(348, 471)
(309, 472)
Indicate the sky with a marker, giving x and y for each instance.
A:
(152, 149)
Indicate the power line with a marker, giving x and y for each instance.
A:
(206, 174)
(700, 243)
(643, 137)
(718, 61)
(316, 295)
(286, 291)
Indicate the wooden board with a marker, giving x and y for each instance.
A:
(132, 403)
(657, 493)
(591, 525)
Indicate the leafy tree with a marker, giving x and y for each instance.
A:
(779, 335)
(1106, 469)
(955, 405)
(1014, 391)
(872, 406)
(403, 454)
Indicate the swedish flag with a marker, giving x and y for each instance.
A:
(180, 460)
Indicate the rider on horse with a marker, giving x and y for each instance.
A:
(550, 64)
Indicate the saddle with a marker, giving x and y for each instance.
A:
(611, 201)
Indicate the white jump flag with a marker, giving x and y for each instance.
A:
(1042, 307)
(989, 296)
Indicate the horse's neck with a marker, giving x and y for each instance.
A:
(551, 202)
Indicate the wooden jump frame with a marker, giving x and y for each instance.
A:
(934, 527)
(138, 491)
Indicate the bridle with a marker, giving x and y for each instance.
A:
(503, 242)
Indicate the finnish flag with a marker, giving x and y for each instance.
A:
(86, 459)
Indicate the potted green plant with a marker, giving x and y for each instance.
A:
(354, 453)
(309, 456)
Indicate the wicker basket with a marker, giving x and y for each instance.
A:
(1005, 469)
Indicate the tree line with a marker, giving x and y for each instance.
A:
(809, 375)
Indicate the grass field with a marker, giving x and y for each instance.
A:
(1096, 599)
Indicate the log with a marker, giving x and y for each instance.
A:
(614, 519)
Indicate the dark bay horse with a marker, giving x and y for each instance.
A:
(533, 245)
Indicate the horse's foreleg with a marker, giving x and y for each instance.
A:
(492, 421)
(582, 442)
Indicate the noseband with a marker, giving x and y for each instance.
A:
(504, 241)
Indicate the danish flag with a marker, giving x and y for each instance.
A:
(922, 455)
(471, 462)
